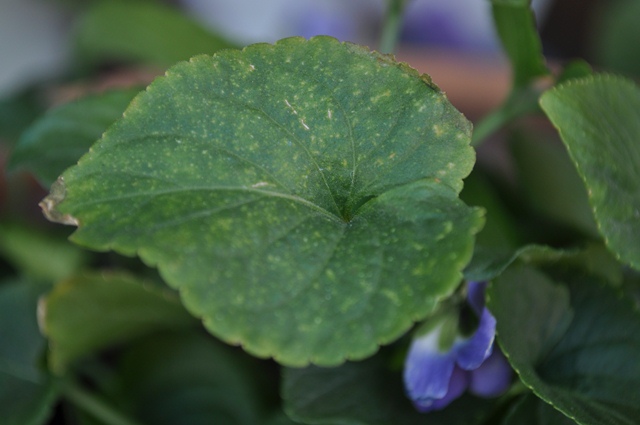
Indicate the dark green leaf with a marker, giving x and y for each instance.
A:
(94, 311)
(499, 230)
(302, 196)
(26, 393)
(530, 410)
(616, 37)
(516, 26)
(577, 346)
(57, 140)
(188, 379)
(599, 121)
(281, 419)
(17, 112)
(142, 32)
(365, 393)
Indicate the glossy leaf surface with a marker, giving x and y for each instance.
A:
(599, 121)
(302, 196)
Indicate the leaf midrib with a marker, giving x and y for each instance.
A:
(153, 194)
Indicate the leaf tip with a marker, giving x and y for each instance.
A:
(49, 204)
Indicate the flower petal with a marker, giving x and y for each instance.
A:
(475, 296)
(427, 371)
(493, 377)
(471, 352)
(457, 385)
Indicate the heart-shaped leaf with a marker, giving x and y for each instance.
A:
(302, 196)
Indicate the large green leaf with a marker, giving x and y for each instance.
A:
(90, 312)
(516, 26)
(138, 31)
(576, 345)
(26, 393)
(366, 393)
(599, 121)
(302, 196)
(57, 140)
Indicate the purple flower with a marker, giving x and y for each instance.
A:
(439, 368)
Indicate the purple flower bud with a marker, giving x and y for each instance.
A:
(492, 378)
(434, 376)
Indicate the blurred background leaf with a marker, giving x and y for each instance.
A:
(94, 311)
(58, 139)
(27, 394)
(162, 35)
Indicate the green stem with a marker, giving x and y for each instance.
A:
(93, 405)
(392, 26)
(518, 104)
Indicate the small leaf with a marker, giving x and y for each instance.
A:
(302, 196)
(515, 23)
(58, 139)
(94, 311)
(365, 393)
(26, 393)
(575, 69)
(599, 121)
(145, 32)
(576, 346)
